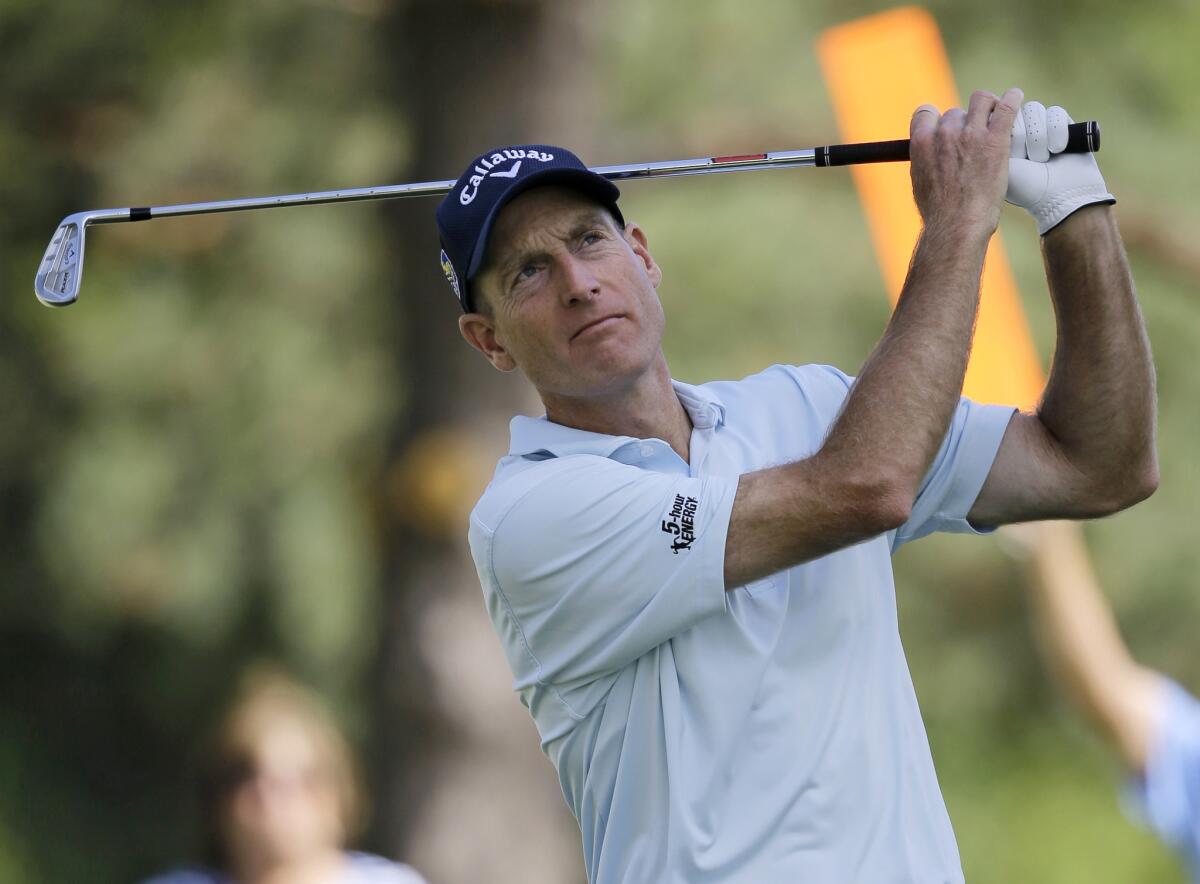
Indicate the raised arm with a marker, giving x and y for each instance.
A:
(1078, 637)
(865, 477)
(1089, 449)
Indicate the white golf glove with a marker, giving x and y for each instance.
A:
(1046, 182)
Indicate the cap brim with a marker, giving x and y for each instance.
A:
(604, 191)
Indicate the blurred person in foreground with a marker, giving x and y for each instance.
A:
(693, 583)
(1151, 721)
(280, 797)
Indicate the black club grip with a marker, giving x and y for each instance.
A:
(1081, 138)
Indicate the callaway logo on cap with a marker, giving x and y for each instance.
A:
(501, 164)
(466, 215)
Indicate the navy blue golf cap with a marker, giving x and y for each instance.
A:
(466, 215)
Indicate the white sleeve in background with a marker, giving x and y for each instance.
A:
(1167, 795)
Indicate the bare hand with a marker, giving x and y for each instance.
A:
(960, 161)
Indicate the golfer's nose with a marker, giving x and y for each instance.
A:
(577, 283)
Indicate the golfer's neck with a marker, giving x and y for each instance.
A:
(646, 409)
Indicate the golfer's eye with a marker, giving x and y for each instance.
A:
(526, 272)
(591, 238)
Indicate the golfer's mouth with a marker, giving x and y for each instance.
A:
(598, 324)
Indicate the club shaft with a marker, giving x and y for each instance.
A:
(698, 166)
(1083, 137)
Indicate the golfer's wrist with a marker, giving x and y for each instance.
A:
(1084, 224)
(954, 241)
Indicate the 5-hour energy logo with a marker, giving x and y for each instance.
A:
(680, 523)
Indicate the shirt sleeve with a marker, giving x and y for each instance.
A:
(1167, 795)
(597, 563)
(957, 474)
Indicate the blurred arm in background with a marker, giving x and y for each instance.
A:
(1078, 637)
(1152, 722)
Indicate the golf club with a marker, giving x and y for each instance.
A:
(61, 271)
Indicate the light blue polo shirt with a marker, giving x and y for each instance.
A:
(1167, 795)
(768, 734)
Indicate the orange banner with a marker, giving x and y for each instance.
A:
(879, 69)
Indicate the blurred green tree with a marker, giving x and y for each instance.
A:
(184, 455)
(453, 752)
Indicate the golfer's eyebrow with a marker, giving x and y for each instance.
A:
(521, 257)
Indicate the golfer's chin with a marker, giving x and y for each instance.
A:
(600, 372)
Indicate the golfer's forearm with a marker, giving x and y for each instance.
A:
(863, 480)
(1099, 403)
(897, 415)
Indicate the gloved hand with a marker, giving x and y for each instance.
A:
(1047, 183)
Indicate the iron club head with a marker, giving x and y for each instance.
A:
(61, 271)
(57, 280)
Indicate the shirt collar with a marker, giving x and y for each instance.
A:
(533, 435)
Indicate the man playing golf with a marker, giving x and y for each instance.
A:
(693, 584)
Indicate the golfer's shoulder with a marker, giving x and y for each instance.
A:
(553, 487)
(819, 387)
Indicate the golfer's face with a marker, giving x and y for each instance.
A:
(573, 296)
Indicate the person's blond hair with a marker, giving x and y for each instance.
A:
(267, 696)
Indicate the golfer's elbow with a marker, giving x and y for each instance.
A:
(893, 509)
(1147, 479)
(1142, 484)
(1126, 486)
(884, 503)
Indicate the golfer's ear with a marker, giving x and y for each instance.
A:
(479, 331)
(636, 237)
